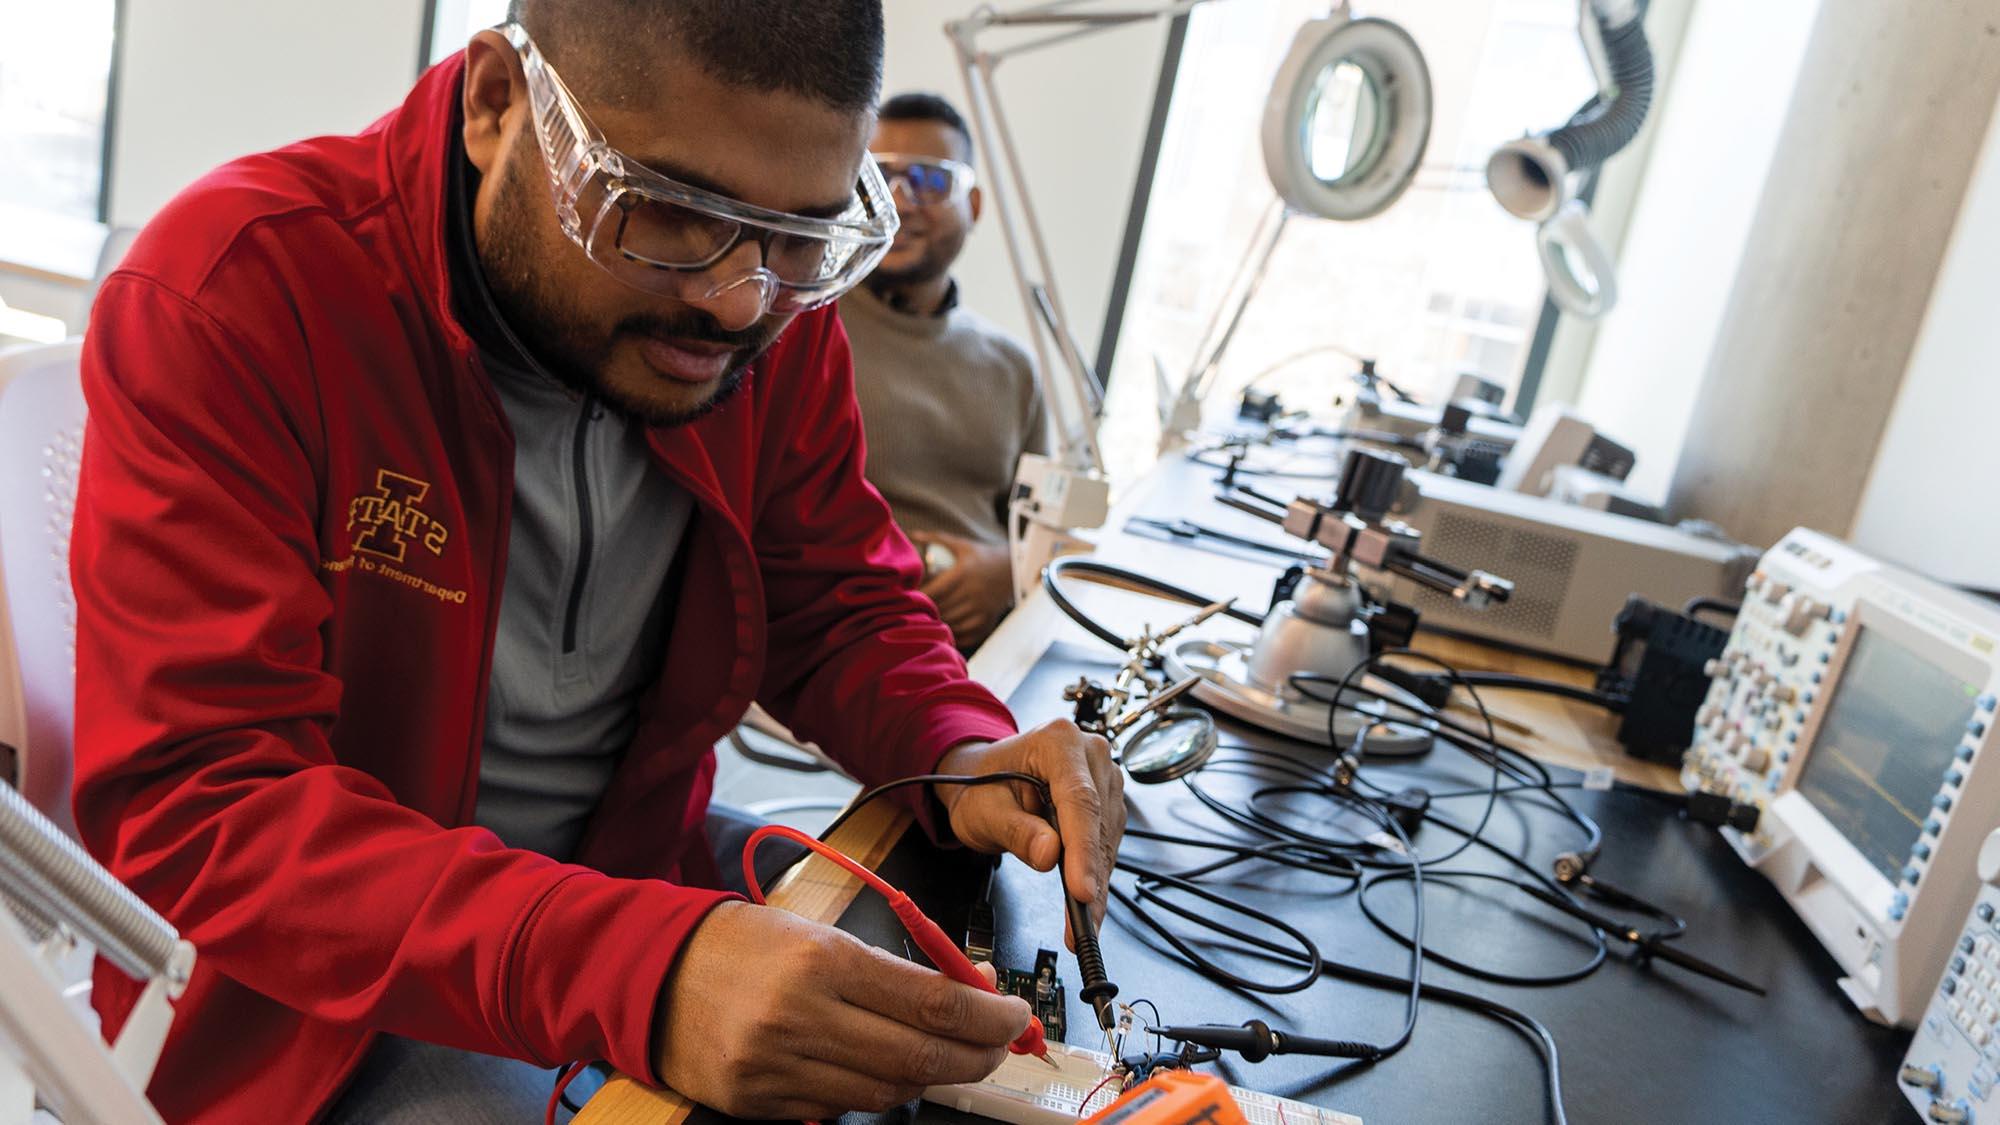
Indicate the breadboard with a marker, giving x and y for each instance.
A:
(1027, 1091)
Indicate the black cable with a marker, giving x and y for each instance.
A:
(1522, 767)
(1507, 681)
(1434, 629)
(1347, 682)
(1040, 786)
(1275, 841)
(1712, 605)
(1187, 529)
(1246, 470)
(1375, 437)
(1600, 948)
(1052, 581)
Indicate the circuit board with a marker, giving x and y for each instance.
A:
(1042, 989)
(1027, 1091)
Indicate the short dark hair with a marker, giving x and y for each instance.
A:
(827, 50)
(928, 107)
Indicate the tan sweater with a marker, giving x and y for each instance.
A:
(948, 404)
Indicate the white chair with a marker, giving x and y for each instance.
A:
(41, 442)
(44, 982)
(112, 252)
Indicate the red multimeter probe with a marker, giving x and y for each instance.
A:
(942, 951)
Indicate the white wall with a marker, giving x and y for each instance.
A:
(1717, 131)
(1923, 504)
(205, 81)
(1079, 113)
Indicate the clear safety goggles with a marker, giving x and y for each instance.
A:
(926, 181)
(666, 237)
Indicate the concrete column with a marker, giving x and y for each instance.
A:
(1871, 168)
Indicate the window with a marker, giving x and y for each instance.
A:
(55, 79)
(1443, 283)
(454, 21)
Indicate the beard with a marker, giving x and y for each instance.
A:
(936, 261)
(560, 335)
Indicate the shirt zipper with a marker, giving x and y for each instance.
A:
(579, 469)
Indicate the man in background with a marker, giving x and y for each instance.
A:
(949, 402)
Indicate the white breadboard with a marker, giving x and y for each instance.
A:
(1027, 1091)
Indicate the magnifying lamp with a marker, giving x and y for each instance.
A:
(1348, 117)
(1345, 127)
(1344, 131)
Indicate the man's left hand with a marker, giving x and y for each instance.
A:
(1089, 792)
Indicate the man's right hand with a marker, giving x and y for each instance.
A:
(767, 1015)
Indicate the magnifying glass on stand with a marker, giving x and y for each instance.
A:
(1169, 747)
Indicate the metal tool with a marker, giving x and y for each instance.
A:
(1137, 693)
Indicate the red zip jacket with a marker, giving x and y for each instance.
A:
(288, 557)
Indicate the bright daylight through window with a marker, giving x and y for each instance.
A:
(457, 20)
(1443, 283)
(55, 73)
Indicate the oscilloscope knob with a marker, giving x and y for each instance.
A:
(1989, 858)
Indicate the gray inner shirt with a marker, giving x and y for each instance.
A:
(582, 618)
(583, 614)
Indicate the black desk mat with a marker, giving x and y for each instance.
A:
(1639, 1044)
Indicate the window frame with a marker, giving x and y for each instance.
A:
(67, 273)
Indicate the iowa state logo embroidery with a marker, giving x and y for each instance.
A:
(392, 519)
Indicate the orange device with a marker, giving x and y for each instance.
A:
(1174, 1097)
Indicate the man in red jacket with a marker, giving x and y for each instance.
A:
(449, 489)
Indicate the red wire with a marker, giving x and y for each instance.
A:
(1083, 1107)
(823, 850)
(562, 1083)
(817, 847)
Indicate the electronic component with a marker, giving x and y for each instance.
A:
(1572, 568)
(1954, 1060)
(1659, 668)
(1557, 435)
(1259, 406)
(1174, 1097)
(1854, 703)
(1024, 1092)
(1574, 484)
(1042, 989)
(1375, 412)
